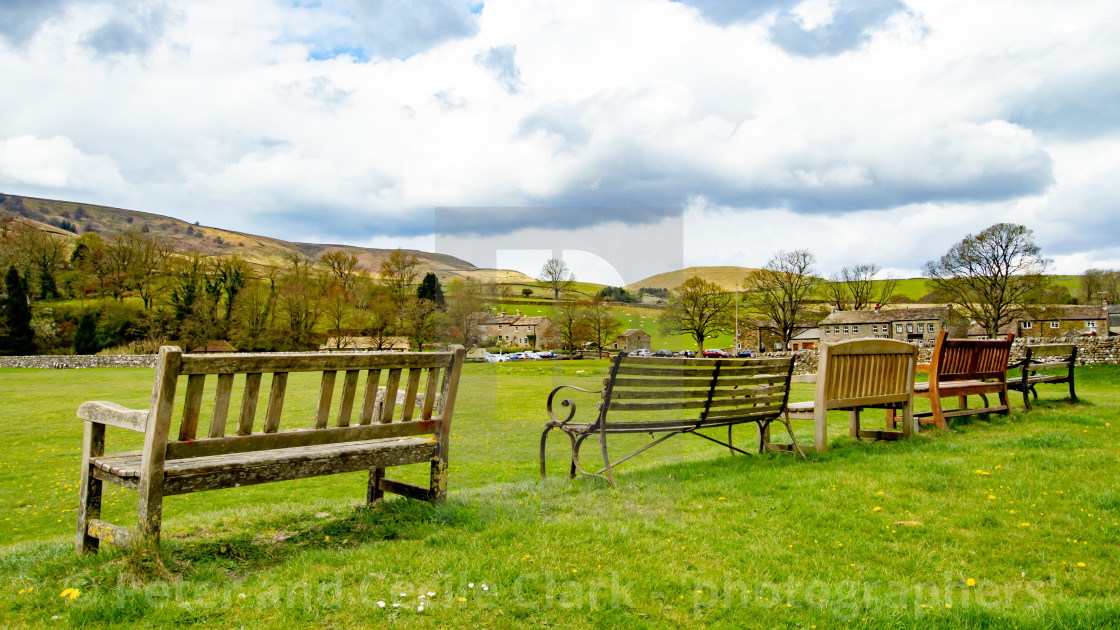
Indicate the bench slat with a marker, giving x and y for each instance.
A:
(687, 394)
(430, 394)
(410, 394)
(349, 389)
(676, 383)
(705, 363)
(192, 407)
(310, 362)
(249, 403)
(298, 438)
(388, 406)
(668, 405)
(326, 393)
(369, 398)
(699, 372)
(276, 402)
(1053, 365)
(221, 405)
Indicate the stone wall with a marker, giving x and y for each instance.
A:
(77, 361)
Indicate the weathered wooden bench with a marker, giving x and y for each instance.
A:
(961, 368)
(856, 375)
(183, 463)
(1047, 363)
(674, 397)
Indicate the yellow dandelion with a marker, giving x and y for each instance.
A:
(462, 599)
(991, 496)
(876, 509)
(1024, 524)
(948, 605)
(971, 582)
(1080, 564)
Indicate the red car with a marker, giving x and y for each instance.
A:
(716, 353)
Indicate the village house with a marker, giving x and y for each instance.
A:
(919, 325)
(366, 344)
(1053, 322)
(761, 335)
(805, 340)
(633, 339)
(515, 330)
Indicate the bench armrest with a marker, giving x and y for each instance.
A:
(112, 414)
(804, 378)
(922, 367)
(566, 402)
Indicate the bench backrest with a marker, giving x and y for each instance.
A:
(704, 392)
(864, 372)
(970, 359)
(1052, 355)
(366, 407)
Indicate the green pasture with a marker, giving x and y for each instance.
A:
(1001, 522)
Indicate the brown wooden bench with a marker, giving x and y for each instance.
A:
(961, 368)
(856, 375)
(1048, 363)
(675, 396)
(385, 433)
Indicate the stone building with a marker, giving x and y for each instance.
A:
(1053, 322)
(633, 339)
(515, 330)
(920, 325)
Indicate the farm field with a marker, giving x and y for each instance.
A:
(1001, 522)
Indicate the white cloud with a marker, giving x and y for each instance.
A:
(934, 123)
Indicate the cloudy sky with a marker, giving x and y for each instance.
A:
(648, 133)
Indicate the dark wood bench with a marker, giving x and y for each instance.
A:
(674, 397)
(961, 368)
(385, 433)
(1048, 363)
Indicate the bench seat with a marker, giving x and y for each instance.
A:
(1038, 367)
(231, 470)
(960, 368)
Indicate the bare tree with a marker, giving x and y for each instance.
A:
(700, 309)
(780, 290)
(343, 266)
(571, 326)
(556, 274)
(338, 310)
(398, 272)
(602, 327)
(421, 320)
(149, 264)
(377, 314)
(465, 308)
(855, 288)
(1098, 284)
(991, 275)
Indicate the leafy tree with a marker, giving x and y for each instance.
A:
(465, 309)
(526, 292)
(571, 325)
(556, 274)
(991, 275)
(344, 267)
(16, 338)
(251, 313)
(85, 338)
(430, 289)
(398, 272)
(377, 314)
(420, 320)
(338, 310)
(700, 309)
(855, 288)
(780, 290)
(1100, 283)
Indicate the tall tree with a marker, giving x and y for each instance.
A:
(556, 274)
(344, 267)
(780, 290)
(465, 309)
(16, 336)
(1098, 284)
(855, 288)
(148, 264)
(991, 275)
(251, 314)
(85, 338)
(700, 309)
(602, 326)
(430, 289)
(398, 272)
(571, 326)
(420, 320)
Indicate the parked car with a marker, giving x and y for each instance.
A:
(640, 352)
(496, 358)
(716, 353)
(663, 353)
(745, 354)
(546, 354)
(688, 354)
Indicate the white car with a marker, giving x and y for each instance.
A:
(641, 352)
(496, 358)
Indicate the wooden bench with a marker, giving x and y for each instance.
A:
(856, 375)
(1038, 366)
(674, 396)
(961, 368)
(327, 443)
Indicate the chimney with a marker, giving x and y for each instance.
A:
(519, 312)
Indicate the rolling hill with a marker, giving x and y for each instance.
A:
(727, 277)
(51, 215)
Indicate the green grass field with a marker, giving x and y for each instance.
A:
(1002, 522)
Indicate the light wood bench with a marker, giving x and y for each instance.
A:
(385, 434)
(1048, 363)
(961, 368)
(674, 397)
(856, 375)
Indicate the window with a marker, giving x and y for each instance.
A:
(1090, 324)
(921, 327)
(1053, 324)
(1028, 325)
(898, 327)
(855, 329)
(845, 330)
(499, 326)
(874, 328)
(931, 327)
(837, 331)
(909, 328)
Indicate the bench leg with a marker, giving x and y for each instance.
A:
(437, 484)
(820, 428)
(606, 458)
(544, 440)
(1072, 394)
(1027, 398)
(1004, 401)
(374, 493)
(853, 423)
(89, 489)
(793, 445)
(892, 423)
(935, 412)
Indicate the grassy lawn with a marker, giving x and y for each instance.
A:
(1001, 522)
